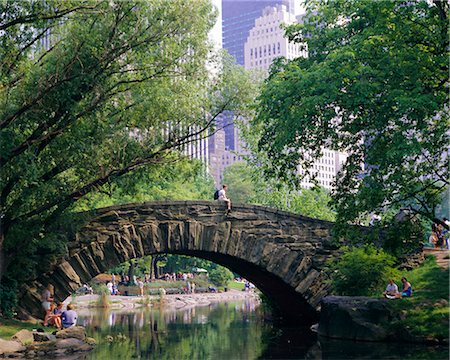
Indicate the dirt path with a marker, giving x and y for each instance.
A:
(442, 256)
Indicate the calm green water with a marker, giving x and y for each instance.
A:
(233, 330)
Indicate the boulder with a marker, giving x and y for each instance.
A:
(69, 343)
(41, 337)
(355, 318)
(25, 337)
(59, 352)
(76, 332)
(90, 341)
(73, 345)
(61, 347)
(8, 347)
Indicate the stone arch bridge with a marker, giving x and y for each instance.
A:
(281, 253)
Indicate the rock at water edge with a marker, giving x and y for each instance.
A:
(25, 337)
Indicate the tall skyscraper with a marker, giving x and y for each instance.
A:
(238, 17)
(266, 40)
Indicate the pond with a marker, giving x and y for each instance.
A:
(224, 330)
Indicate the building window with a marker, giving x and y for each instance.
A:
(251, 53)
(279, 48)
(260, 52)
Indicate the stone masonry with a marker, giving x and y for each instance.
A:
(281, 253)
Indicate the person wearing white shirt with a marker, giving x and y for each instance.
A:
(223, 197)
(391, 289)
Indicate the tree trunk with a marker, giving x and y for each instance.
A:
(155, 267)
(130, 273)
(2, 258)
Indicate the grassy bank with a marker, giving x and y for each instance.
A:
(426, 313)
(8, 327)
(236, 285)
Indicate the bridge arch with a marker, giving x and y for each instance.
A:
(281, 253)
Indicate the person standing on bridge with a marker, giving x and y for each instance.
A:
(223, 197)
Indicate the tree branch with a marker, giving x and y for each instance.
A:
(30, 43)
(36, 17)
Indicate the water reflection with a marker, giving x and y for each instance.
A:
(219, 331)
(341, 349)
(235, 330)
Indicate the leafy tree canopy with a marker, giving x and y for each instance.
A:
(247, 185)
(362, 271)
(94, 97)
(241, 182)
(375, 84)
(181, 180)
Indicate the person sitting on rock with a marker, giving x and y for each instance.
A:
(55, 316)
(407, 289)
(69, 317)
(59, 308)
(391, 290)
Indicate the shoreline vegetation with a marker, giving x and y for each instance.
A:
(422, 318)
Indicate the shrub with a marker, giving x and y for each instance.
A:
(8, 297)
(362, 271)
(220, 276)
(103, 300)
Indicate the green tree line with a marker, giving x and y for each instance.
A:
(374, 84)
(97, 96)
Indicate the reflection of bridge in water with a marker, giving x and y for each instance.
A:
(281, 253)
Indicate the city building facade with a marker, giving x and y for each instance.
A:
(264, 44)
(252, 33)
(238, 17)
(266, 39)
